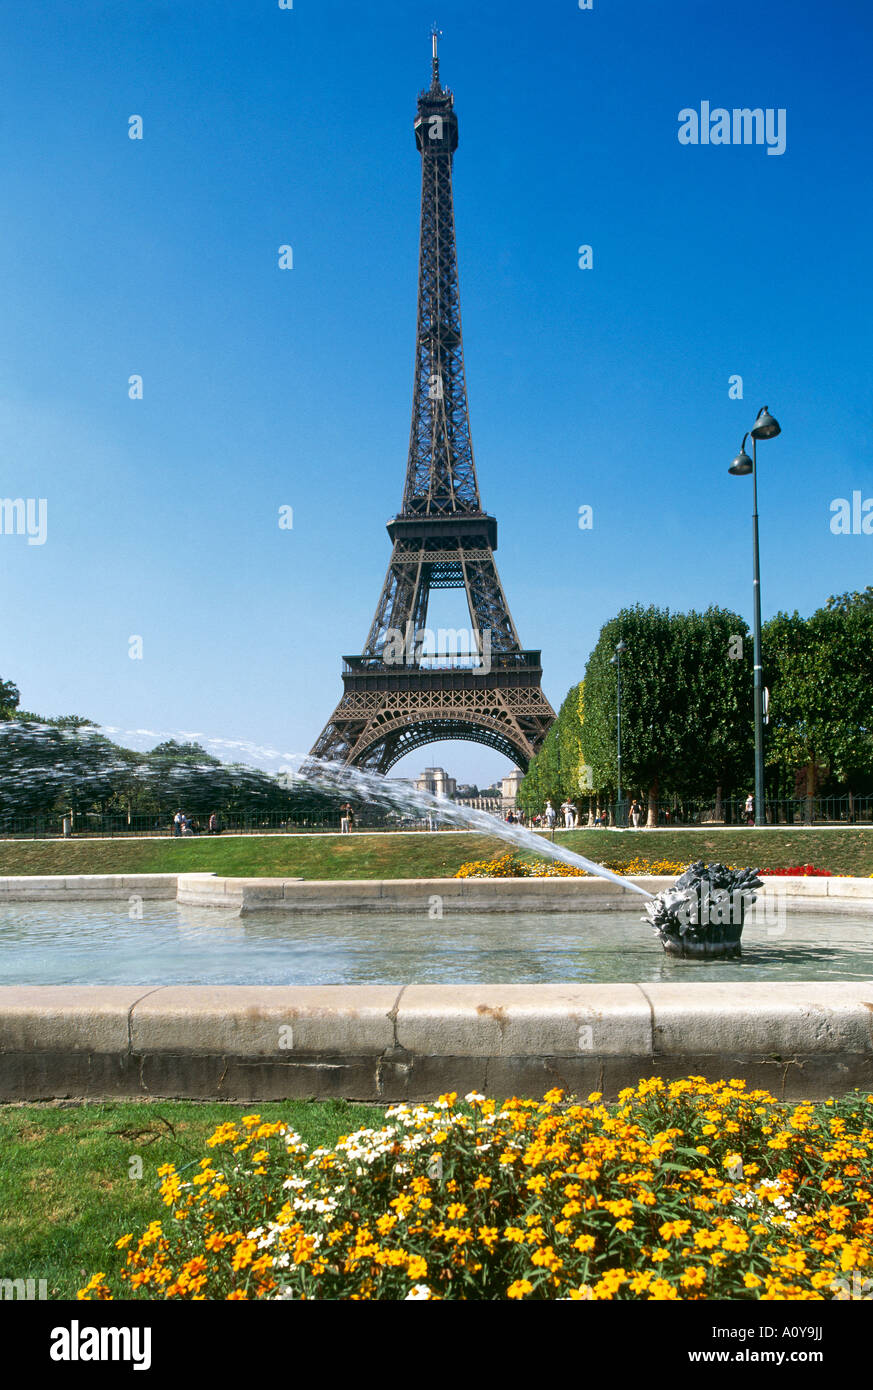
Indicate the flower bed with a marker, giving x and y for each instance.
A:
(510, 866)
(684, 1190)
(800, 870)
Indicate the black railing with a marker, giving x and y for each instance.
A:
(92, 825)
(778, 811)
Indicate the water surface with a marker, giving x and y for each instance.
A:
(98, 943)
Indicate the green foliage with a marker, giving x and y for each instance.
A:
(65, 765)
(9, 698)
(843, 603)
(554, 773)
(686, 686)
(820, 670)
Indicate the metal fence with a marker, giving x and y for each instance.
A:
(91, 825)
(784, 811)
(780, 811)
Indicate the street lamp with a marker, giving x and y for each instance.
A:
(765, 427)
(615, 661)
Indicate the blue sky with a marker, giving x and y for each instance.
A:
(261, 388)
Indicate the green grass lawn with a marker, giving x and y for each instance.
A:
(66, 1191)
(423, 855)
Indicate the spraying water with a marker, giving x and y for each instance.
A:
(62, 763)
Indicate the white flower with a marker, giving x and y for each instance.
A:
(417, 1292)
(474, 1098)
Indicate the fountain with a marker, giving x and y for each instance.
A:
(704, 911)
(701, 915)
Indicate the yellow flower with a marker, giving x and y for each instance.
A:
(584, 1243)
(672, 1229)
(660, 1290)
(519, 1288)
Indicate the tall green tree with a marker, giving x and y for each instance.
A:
(9, 699)
(821, 675)
(686, 704)
(553, 775)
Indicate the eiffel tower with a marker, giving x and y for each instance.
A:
(395, 698)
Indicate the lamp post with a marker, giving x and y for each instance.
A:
(616, 662)
(765, 427)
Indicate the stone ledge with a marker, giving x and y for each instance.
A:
(397, 895)
(264, 1020)
(512, 1020)
(774, 1019)
(387, 1042)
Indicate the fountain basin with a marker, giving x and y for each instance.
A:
(384, 1044)
(404, 1033)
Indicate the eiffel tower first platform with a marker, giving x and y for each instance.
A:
(393, 700)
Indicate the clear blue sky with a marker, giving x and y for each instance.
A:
(606, 387)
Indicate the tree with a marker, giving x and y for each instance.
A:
(843, 603)
(820, 716)
(9, 698)
(553, 774)
(686, 703)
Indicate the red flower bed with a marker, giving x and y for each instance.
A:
(804, 870)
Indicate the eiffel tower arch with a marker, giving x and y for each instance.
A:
(395, 699)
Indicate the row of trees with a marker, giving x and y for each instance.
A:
(687, 709)
(66, 766)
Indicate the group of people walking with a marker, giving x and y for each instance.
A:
(185, 825)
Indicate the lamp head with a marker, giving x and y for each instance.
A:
(765, 427)
(742, 464)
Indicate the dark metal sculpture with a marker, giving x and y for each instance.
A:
(703, 913)
(442, 539)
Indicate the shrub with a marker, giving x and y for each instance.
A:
(684, 1190)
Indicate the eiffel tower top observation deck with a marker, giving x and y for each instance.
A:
(441, 537)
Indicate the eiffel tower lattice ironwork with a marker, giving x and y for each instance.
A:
(396, 700)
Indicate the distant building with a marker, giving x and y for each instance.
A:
(466, 790)
(499, 799)
(438, 782)
(509, 786)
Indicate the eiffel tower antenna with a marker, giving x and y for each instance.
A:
(436, 35)
(396, 700)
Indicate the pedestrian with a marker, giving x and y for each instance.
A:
(213, 824)
(550, 815)
(345, 818)
(750, 809)
(177, 823)
(635, 813)
(569, 817)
